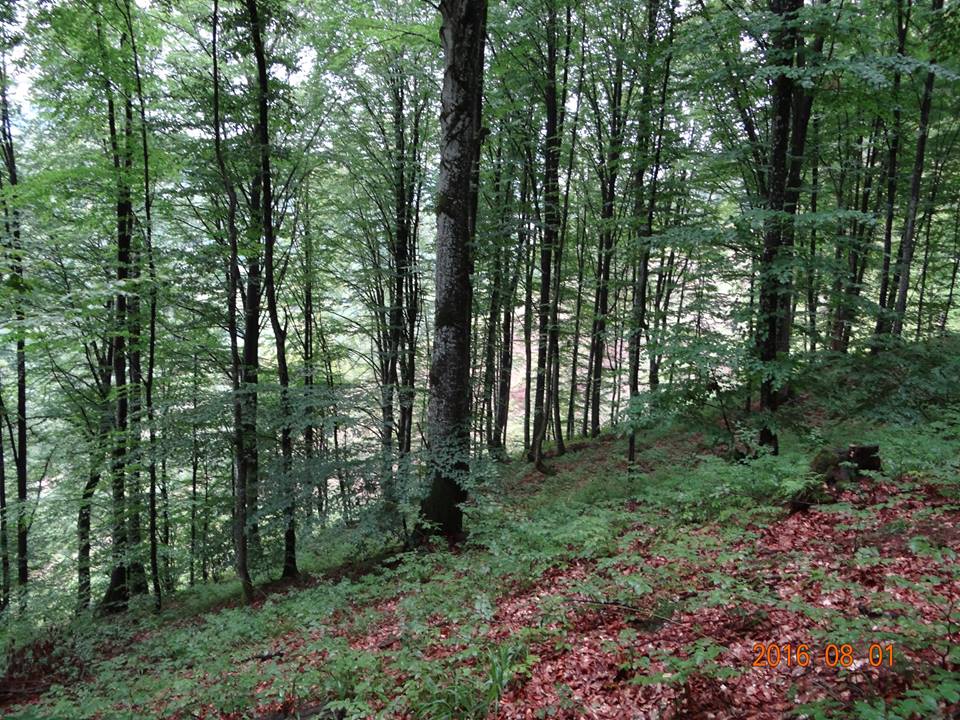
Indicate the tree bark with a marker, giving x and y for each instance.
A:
(462, 36)
(17, 268)
(551, 221)
(907, 241)
(893, 157)
(279, 329)
(239, 366)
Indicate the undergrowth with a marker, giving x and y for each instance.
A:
(422, 636)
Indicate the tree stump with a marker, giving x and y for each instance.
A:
(839, 465)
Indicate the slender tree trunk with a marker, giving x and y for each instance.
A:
(644, 210)
(909, 229)
(102, 379)
(4, 549)
(893, 156)
(17, 269)
(194, 471)
(953, 272)
(118, 590)
(578, 306)
(279, 329)
(527, 327)
(151, 341)
(928, 220)
(860, 236)
(245, 462)
(499, 206)
(551, 218)
(813, 282)
(609, 153)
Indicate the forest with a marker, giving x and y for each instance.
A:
(479, 359)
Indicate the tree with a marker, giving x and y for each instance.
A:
(462, 35)
(14, 245)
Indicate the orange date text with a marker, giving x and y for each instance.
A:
(833, 655)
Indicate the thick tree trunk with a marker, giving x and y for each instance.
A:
(791, 112)
(462, 35)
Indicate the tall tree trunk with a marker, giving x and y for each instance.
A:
(309, 379)
(239, 366)
(194, 469)
(860, 236)
(608, 169)
(892, 167)
(4, 549)
(928, 220)
(102, 380)
(907, 241)
(529, 249)
(118, 590)
(813, 282)
(279, 329)
(791, 111)
(462, 36)
(152, 310)
(644, 206)
(551, 218)
(17, 269)
(499, 206)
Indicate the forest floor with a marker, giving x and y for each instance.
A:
(681, 589)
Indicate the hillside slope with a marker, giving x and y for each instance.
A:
(682, 588)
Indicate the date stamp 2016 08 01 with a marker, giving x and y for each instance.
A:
(833, 655)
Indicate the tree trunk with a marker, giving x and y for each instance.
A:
(462, 35)
(4, 550)
(813, 284)
(909, 228)
(17, 270)
(279, 329)
(551, 218)
(581, 262)
(609, 153)
(118, 590)
(239, 366)
(791, 109)
(893, 156)
(151, 340)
